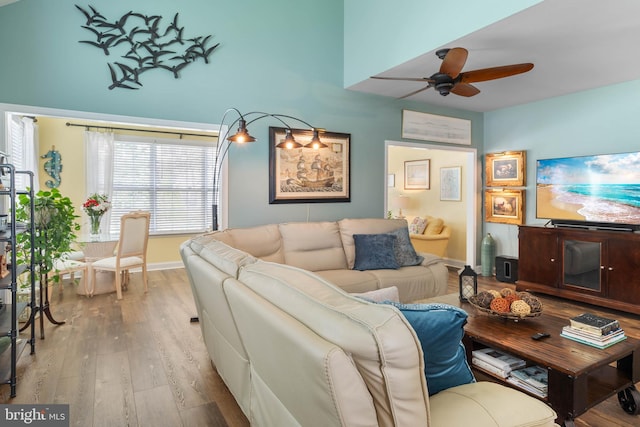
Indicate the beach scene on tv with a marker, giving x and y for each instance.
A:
(600, 188)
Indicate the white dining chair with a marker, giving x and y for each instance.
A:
(131, 251)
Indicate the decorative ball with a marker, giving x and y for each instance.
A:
(533, 302)
(520, 307)
(523, 293)
(500, 305)
(511, 298)
(495, 293)
(484, 298)
(507, 291)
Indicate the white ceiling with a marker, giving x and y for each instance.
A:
(575, 45)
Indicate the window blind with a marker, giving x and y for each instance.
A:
(171, 179)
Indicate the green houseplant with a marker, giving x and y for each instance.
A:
(55, 227)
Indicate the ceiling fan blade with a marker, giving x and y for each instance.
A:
(454, 61)
(493, 73)
(415, 91)
(465, 89)
(408, 79)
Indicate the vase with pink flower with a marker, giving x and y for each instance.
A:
(95, 207)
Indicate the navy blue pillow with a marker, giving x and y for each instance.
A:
(404, 250)
(375, 252)
(440, 330)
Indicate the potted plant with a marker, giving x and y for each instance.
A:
(55, 227)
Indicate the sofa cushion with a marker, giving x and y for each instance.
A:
(487, 404)
(351, 226)
(414, 281)
(440, 330)
(379, 295)
(434, 226)
(313, 245)
(403, 249)
(262, 242)
(418, 225)
(375, 252)
(352, 280)
(222, 256)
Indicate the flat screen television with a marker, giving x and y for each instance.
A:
(601, 191)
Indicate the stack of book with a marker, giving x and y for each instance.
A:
(496, 362)
(534, 379)
(593, 330)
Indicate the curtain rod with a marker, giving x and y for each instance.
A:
(181, 134)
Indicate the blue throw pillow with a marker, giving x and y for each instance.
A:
(375, 252)
(405, 253)
(440, 330)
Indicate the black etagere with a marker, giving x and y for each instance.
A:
(11, 343)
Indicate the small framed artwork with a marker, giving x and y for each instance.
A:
(450, 183)
(307, 175)
(391, 180)
(506, 169)
(416, 175)
(504, 206)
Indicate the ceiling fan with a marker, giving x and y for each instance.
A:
(450, 79)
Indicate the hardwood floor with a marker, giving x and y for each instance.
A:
(134, 362)
(139, 362)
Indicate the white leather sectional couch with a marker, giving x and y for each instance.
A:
(295, 349)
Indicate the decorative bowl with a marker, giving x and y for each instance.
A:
(509, 315)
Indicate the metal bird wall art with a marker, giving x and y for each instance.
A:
(144, 45)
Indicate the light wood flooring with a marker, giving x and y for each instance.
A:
(140, 362)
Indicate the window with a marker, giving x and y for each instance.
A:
(171, 178)
(22, 141)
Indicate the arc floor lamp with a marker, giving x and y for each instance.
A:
(242, 136)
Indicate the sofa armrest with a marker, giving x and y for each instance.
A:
(429, 259)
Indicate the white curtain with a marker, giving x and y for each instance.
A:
(30, 145)
(99, 165)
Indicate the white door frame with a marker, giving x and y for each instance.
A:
(470, 180)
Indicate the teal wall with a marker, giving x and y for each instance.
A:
(280, 56)
(597, 121)
(380, 34)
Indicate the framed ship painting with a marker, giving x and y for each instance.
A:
(308, 175)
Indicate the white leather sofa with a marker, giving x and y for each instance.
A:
(327, 248)
(296, 350)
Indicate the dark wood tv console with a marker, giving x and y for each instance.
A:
(593, 266)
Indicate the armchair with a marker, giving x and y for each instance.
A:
(435, 238)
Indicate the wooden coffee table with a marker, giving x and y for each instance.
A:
(580, 376)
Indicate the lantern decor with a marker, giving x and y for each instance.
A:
(468, 283)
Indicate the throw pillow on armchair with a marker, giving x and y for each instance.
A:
(418, 225)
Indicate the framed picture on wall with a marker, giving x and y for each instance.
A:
(450, 184)
(506, 169)
(504, 206)
(391, 180)
(416, 175)
(307, 175)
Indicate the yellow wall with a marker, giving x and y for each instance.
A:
(69, 141)
(427, 202)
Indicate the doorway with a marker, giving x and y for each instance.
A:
(460, 215)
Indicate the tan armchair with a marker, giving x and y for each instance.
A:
(435, 238)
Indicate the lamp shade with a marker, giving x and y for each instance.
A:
(403, 202)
